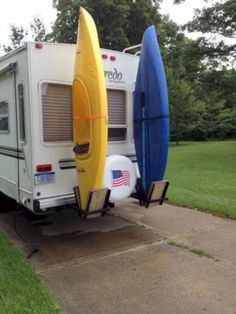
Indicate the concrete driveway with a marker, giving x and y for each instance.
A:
(164, 259)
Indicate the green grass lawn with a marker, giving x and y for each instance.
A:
(20, 289)
(203, 175)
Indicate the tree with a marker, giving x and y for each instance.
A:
(64, 29)
(111, 17)
(183, 108)
(215, 81)
(18, 34)
(216, 90)
(38, 29)
(142, 13)
(219, 19)
(116, 20)
(17, 37)
(183, 65)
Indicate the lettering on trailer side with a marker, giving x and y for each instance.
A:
(114, 76)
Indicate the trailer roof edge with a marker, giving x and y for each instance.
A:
(13, 52)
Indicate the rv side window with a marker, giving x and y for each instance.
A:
(21, 102)
(117, 128)
(4, 116)
(57, 112)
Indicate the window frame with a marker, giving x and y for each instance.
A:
(119, 126)
(21, 106)
(5, 116)
(55, 142)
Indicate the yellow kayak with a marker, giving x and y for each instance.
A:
(89, 109)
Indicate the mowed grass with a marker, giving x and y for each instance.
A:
(202, 175)
(21, 291)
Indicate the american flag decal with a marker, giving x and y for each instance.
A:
(120, 178)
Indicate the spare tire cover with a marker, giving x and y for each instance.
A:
(119, 177)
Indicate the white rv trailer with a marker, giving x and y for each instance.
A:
(37, 167)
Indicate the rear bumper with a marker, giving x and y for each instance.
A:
(44, 204)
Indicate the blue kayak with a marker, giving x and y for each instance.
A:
(151, 112)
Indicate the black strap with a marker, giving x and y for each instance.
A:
(152, 118)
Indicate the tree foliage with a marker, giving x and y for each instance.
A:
(110, 17)
(17, 37)
(65, 26)
(116, 20)
(219, 20)
(201, 78)
(142, 13)
(18, 34)
(209, 62)
(38, 29)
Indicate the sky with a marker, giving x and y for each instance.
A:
(21, 13)
(181, 13)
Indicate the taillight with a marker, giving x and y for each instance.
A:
(44, 168)
(38, 45)
(104, 56)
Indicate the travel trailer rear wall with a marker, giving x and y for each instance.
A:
(37, 166)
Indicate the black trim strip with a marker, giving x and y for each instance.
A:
(12, 152)
(67, 163)
(13, 156)
(66, 160)
(67, 167)
(132, 157)
(11, 149)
